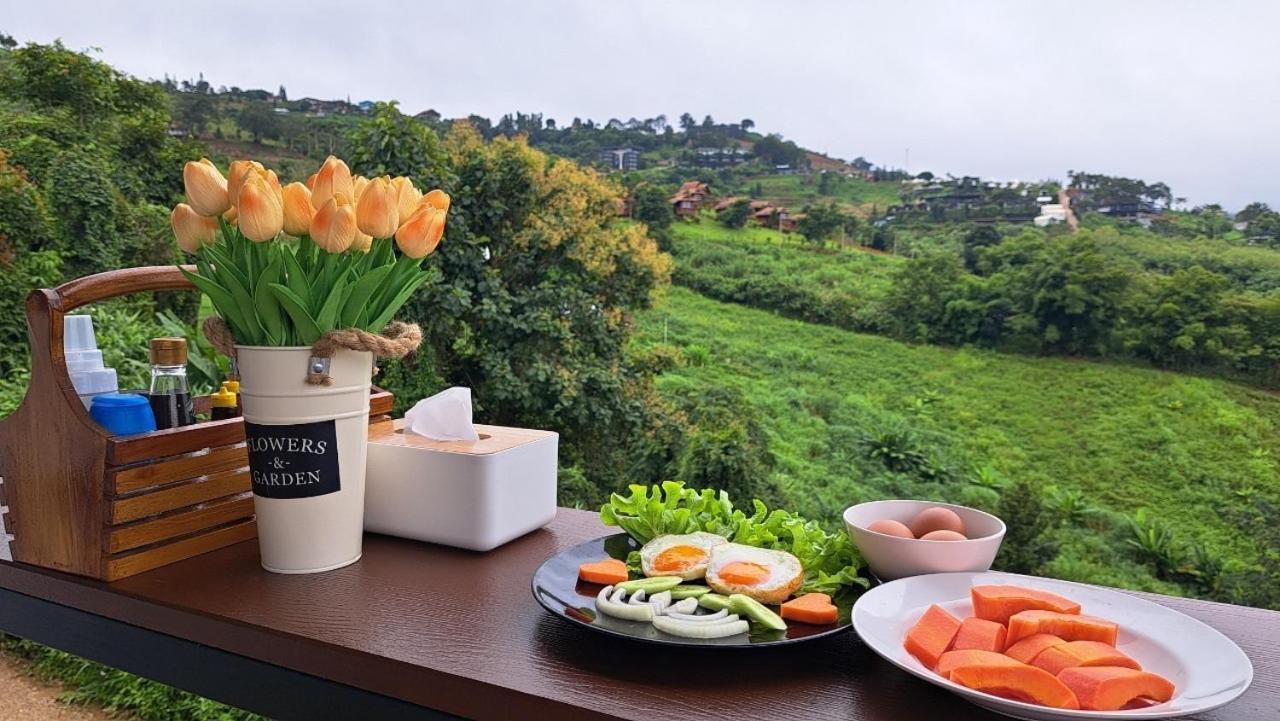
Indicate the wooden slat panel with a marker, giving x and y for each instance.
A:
(174, 441)
(118, 567)
(180, 468)
(380, 402)
(122, 510)
(181, 523)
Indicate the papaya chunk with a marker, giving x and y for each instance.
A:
(1068, 626)
(1081, 653)
(998, 603)
(979, 634)
(932, 635)
(1028, 648)
(1108, 688)
(951, 660)
(1019, 682)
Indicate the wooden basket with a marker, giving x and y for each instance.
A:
(83, 501)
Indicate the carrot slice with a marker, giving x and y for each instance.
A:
(815, 608)
(606, 572)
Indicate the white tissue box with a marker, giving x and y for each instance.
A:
(469, 494)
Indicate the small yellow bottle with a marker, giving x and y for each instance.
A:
(223, 403)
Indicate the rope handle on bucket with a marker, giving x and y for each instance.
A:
(397, 340)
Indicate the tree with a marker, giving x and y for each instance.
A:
(651, 205)
(259, 119)
(774, 150)
(1252, 211)
(391, 143)
(747, 124)
(825, 182)
(7, 42)
(708, 123)
(687, 122)
(736, 215)
(978, 237)
(820, 222)
(282, 95)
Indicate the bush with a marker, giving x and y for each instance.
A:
(1027, 546)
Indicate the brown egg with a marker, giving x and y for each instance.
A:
(890, 528)
(936, 519)
(943, 534)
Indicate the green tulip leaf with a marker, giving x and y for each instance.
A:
(308, 330)
(356, 306)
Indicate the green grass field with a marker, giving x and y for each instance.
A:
(1196, 451)
(796, 191)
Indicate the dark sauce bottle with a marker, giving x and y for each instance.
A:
(169, 395)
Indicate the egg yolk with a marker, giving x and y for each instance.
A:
(679, 558)
(743, 573)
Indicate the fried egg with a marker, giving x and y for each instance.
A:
(684, 555)
(766, 575)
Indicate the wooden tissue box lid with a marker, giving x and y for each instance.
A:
(493, 439)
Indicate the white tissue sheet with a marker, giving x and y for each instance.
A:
(445, 416)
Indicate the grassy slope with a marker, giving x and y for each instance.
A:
(795, 191)
(1185, 447)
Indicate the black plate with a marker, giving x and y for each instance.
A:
(557, 588)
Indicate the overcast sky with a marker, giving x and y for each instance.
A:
(1184, 92)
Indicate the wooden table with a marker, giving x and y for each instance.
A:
(418, 631)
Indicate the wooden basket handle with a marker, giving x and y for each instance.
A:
(47, 307)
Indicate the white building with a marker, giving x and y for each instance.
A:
(1051, 213)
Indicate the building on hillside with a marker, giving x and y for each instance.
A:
(620, 158)
(428, 116)
(690, 198)
(318, 108)
(365, 106)
(774, 216)
(720, 157)
(784, 169)
(1050, 214)
(1138, 211)
(724, 203)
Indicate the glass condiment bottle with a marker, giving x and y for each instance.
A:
(169, 394)
(222, 404)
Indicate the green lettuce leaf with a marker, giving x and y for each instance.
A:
(831, 562)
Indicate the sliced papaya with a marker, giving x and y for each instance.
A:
(1081, 653)
(814, 608)
(605, 573)
(1019, 682)
(980, 634)
(1028, 648)
(951, 660)
(998, 603)
(932, 635)
(1108, 688)
(1069, 626)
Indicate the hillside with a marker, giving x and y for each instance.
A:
(1123, 437)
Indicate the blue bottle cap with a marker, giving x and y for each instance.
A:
(123, 414)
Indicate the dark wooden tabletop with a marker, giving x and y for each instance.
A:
(460, 632)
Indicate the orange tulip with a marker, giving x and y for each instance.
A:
(437, 199)
(358, 184)
(407, 198)
(420, 235)
(232, 216)
(239, 170)
(362, 242)
(334, 177)
(311, 181)
(191, 228)
(376, 211)
(260, 208)
(206, 188)
(298, 209)
(334, 225)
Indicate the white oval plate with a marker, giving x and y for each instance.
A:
(1207, 668)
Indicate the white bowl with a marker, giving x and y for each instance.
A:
(891, 557)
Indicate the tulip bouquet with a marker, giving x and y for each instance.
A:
(282, 265)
